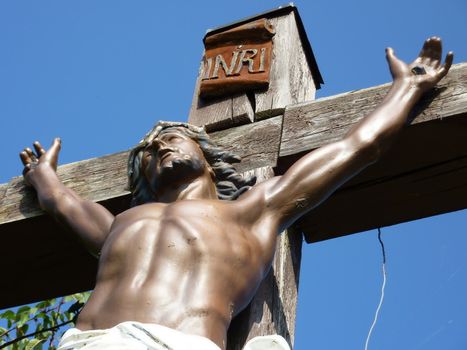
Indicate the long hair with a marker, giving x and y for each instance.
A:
(229, 183)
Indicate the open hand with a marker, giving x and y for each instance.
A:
(426, 71)
(33, 160)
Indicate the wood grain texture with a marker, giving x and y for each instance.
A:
(306, 126)
(310, 125)
(100, 179)
(273, 309)
(291, 81)
(219, 113)
(423, 174)
(51, 251)
(257, 144)
(3, 188)
(96, 179)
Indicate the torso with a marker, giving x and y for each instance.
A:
(189, 265)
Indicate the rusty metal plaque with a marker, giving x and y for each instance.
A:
(237, 60)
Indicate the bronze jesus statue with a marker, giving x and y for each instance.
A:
(188, 256)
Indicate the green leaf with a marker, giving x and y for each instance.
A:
(41, 305)
(33, 344)
(23, 309)
(47, 322)
(82, 297)
(24, 328)
(54, 317)
(46, 303)
(8, 314)
(23, 319)
(69, 298)
(46, 335)
(75, 307)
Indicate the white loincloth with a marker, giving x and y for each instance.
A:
(142, 336)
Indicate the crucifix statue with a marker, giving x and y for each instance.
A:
(199, 238)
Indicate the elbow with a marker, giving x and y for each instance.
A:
(365, 146)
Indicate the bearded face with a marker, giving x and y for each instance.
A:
(172, 159)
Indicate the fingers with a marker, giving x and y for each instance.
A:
(29, 160)
(52, 154)
(28, 157)
(393, 61)
(30, 154)
(25, 158)
(430, 54)
(447, 64)
(56, 145)
(390, 54)
(38, 148)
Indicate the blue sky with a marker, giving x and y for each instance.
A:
(99, 74)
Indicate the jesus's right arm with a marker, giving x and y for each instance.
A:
(89, 220)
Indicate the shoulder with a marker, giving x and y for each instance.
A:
(259, 191)
(254, 202)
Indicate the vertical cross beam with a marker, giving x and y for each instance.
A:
(273, 309)
(250, 71)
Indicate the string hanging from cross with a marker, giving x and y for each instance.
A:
(383, 286)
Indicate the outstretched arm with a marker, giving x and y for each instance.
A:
(318, 174)
(89, 220)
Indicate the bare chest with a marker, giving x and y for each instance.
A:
(181, 237)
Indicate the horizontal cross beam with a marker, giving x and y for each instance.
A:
(423, 175)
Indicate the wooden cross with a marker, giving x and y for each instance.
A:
(270, 129)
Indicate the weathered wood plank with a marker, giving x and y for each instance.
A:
(310, 125)
(3, 188)
(214, 111)
(424, 174)
(89, 178)
(409, 182)
(258, 146)
(290, 77)
(304, 129)
(242, 111)
(22, 221)
(219, 113)
(437, 138)
(40, 260)
(272, 311)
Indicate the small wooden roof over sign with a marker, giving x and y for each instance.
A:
(252, 69)
(280, 11)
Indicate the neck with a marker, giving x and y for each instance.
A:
(200, 188)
